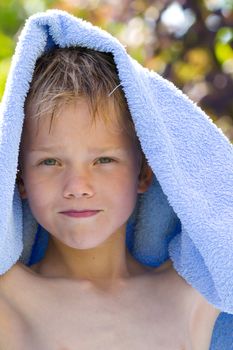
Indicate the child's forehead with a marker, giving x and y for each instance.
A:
(68, 128)
(78, 113)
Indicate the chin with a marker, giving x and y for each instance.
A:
(82, 245)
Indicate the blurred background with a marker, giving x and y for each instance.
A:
(188, 42)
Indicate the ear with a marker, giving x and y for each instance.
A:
(145, 178)
(20, 184)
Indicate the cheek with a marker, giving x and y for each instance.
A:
(38, 200)
(39, 194)
(123, 191)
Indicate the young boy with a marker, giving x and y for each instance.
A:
(81, 168)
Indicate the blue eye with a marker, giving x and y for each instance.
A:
(105, 160)
(49, 162)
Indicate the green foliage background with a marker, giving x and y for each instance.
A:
(194, 49)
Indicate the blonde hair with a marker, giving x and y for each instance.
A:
(64, 75)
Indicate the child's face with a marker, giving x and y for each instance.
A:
(74, 174)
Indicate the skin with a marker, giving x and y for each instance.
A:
(84, 291)
(71, 176)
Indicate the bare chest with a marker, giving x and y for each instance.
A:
(89, 324)
(144, 315)
(80, 319)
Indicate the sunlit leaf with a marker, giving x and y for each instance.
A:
(196, 66)
(225, 35)
(186, 72)
(223, 52)
(199, 56)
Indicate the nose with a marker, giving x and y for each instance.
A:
(77, 186)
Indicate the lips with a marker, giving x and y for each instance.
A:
(80, 213)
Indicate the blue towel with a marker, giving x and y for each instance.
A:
(187, 212)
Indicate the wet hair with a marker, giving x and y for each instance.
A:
(65, 75)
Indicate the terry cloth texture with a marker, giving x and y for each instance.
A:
(187, 214)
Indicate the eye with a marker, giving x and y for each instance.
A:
(105, 160)
(48, 162)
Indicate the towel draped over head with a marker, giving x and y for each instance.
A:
(187, 213)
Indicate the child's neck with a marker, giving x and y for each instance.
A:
(108, 263)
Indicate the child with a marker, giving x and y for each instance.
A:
(82, 170)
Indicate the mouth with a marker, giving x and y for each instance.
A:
(80, 214)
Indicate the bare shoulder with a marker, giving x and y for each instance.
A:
(10, 276)
(7, 276)
(192, 311)
(13, 284)
(11, 321)
(199, 315)
(19, 285)
(179, 286)
(196, 296)
(6, 288)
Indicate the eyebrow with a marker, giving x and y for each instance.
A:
(91, 150)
